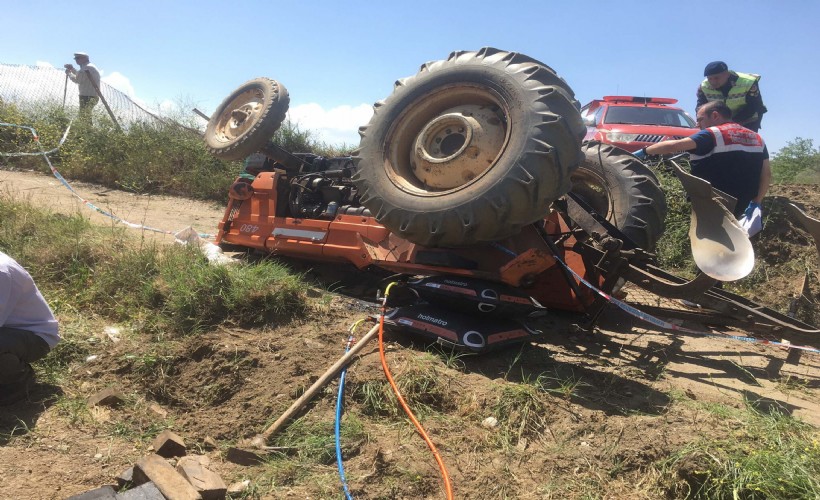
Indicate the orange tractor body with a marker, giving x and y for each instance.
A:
(521, 261)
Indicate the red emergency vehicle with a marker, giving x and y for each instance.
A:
(632, 123)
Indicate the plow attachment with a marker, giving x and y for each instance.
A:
(810, 224)
(722, 251)
(720, 246)
(720, 307)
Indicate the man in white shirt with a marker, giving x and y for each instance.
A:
(87, 79)
(28, 330)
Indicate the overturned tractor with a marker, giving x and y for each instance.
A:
(471, 181)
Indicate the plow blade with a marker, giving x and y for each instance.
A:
(720, 246)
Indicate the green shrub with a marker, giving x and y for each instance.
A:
(291, 138)
(797, 162)
(143, 158)
(772, 456)
(674, 250)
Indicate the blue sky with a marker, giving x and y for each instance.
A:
(337, 58)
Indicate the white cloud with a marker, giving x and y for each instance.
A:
(43, 64)
(169, 107)
(121, 83)
(333, 126)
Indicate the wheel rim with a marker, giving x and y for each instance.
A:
(446, 140)
(592, 188)
(240, 115)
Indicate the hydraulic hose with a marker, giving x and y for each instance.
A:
(339, 408)
(442, 468)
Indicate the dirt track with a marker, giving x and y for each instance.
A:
(161, 212)
(620, 414)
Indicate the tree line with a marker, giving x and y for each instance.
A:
(797, 163)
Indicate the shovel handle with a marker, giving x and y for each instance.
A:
(321, 382)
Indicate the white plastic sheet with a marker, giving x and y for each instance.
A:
(214, 254)
(753, 224)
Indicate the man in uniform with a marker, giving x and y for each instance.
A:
(738, 90)
(87, 79)
(732, 158)
(28, 330)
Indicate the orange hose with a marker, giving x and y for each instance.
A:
(444, 475)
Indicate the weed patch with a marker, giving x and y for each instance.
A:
(770, 455)
(422, 385)
(521, 410)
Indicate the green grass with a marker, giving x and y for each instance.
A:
(452, 358)
(74, 409)
(422, 384)
(308, 453)
(768, 455)
(138, 425)
(521, 410)
(92, 275)
(80, 267)
(564, 386)
(313, 442)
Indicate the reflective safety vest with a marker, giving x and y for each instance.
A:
(737, 94)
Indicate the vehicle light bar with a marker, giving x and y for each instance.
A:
(643, 100)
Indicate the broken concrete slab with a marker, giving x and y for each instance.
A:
(125, 478)
(202, 460)
(205, 481)
(239, 486)
(157, 410)
(101, 493)
(209, 443)
(168, 444)
(147, 491)
(107, 397)
(175, 487)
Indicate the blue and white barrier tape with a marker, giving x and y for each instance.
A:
(65, 183)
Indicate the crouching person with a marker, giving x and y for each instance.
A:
(28, 330)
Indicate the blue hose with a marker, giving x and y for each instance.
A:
(338, 424)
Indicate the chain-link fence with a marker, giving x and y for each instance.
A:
(45, 85)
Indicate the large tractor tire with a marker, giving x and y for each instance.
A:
(623, 190)
(470, 149)
(247, 119)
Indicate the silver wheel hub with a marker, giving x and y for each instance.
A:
(241, 119)
(457, 146)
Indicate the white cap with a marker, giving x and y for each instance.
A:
(80, 54)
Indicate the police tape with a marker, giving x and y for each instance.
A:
(34, 133)
(65, 183)
(632, 311)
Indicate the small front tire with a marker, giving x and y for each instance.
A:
(247, 119)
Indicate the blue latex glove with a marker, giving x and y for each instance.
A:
(749, 213)
(752, 220)
(640, 154)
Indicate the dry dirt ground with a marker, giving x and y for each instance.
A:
(618, 400)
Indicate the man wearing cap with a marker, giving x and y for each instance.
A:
(87, 79)
(738, 90)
